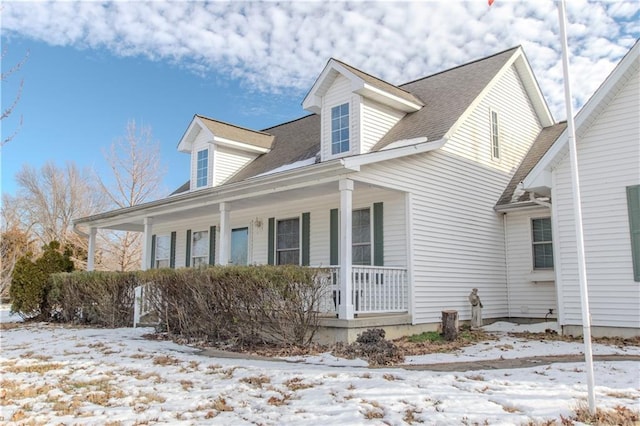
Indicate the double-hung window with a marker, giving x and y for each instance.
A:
(288, 242)
(542, 243)
(200, 248)
(495, 136)
(633, 205)
(361, 237)
(202, 168)
(162, 250)
(340, 129)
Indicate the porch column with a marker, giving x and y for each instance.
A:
(92, 249)
(345, 310)
(146, 246)
(225, 234)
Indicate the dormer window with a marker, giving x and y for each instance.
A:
(340, 129)
(202, 168)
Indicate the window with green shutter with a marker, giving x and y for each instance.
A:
(633, 204)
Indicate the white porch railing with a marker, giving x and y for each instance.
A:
(146, 300)
(376, 289)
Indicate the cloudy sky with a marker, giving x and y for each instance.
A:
(251, 63)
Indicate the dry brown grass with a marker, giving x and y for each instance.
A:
(374, 412)
(618, 416)
(220, 404)
(39, 368)
(296, 383)
(186, 384)
(410, 416)
(278, 401)
(165, 360)
(256, 381)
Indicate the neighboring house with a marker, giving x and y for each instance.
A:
(393, 187)
(543, 229)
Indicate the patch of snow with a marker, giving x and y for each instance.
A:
(6, 316)
(57, 374)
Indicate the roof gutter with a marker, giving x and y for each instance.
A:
(204, 196)
(389, 154)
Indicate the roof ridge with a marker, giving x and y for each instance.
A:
(287, 122)
(233, 125)
(459, 66)
(370, 75)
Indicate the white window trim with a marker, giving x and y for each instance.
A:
(206, 184)
(371, 245)
(275, 242)
(205, 256)
(348, 152)
(533, 243)
(492, 135)
(156, 251)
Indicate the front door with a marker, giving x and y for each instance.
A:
(239, 246)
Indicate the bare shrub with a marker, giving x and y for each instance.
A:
(372, 346)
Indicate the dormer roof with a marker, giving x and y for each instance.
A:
(226, 134)
(363, 84)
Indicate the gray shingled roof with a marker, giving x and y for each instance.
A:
(237, 133)
(382, 85)
(540, 146)
(446, 96)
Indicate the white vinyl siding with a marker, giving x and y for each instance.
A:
(281, 206)
(531, 293)
(228, 162)
(340, 93)
(377, 120)
(608, 156)
(457, 237)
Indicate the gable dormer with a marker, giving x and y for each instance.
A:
(356, 109)
(219, 150)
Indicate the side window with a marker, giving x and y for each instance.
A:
(288, 242)
(495, 135)
(542, 243)
(361, 237)
(163, 247)
(633, 204)
(200, 248)
(340, 129)
(202, 168)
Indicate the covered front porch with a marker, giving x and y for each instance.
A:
(358, 230)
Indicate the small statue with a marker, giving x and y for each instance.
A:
(476, 309)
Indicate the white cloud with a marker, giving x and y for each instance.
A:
(276, 47)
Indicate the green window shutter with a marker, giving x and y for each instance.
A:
(172, 252)
(187, 258)
(306, 235)
(633, 203)
(212, 245)
(271, 258)
(378, 235)
(152, 264)
(333, 237)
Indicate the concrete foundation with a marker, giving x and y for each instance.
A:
(598, 331)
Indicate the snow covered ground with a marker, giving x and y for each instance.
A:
(52, 374)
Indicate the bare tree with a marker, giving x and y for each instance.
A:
(136, 177)
(15, 242)
(50, 198)
(9, 110)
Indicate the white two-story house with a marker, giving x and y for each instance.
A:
(392, 187)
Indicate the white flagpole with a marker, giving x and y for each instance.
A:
(577, 208)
